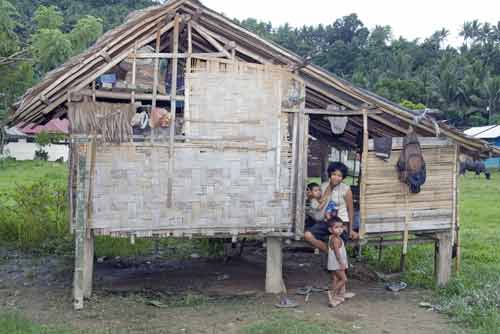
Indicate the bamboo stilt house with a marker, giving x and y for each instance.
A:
(184, 124)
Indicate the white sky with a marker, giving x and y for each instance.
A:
(411, 19)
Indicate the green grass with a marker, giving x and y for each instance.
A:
(287, 324)
(14, 173)
(472, 298)
(11, 323)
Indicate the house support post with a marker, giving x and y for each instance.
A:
(84, 238)
(443, 253)
(274, 266)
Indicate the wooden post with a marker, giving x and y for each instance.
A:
(443, 258)
(456, 210)
(364, 168)
(84, 245)
(274, 266)
(173, 107)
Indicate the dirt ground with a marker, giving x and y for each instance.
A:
(199, 295)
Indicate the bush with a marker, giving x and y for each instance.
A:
(41, 154)
(35, 216)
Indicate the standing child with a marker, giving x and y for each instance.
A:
(337, 262)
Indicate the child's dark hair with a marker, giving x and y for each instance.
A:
(312, 185)
(334, 220)
(337, 165)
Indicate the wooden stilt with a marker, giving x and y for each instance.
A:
(88, 264)
(274, 266)
(84, 246)
(443, 258)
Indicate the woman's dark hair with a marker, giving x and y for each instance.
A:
(337, 165)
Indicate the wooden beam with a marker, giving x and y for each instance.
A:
(202, 31)
(125, 95)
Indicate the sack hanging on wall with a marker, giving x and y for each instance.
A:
(337, 124)
(411, 164)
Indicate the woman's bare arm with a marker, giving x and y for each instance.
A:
(350, 209)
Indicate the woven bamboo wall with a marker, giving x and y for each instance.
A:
(431, 209)
(231, 176)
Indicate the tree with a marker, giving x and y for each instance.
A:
(85, 32)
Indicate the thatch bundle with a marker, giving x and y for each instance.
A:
(110, 121)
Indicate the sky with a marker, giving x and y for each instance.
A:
(410, 19)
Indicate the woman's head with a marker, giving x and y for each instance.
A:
(337, 172)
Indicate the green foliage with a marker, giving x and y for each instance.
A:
(411, 105)
(35, 215)
(85, 32)
(48, 17)
(50, 47)
(47, 138)
(8, 24)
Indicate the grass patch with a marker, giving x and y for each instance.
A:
(286, 324)
(12, 323)
(472, 298)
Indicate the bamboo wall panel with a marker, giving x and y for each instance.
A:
(239, 182)
(430, 209)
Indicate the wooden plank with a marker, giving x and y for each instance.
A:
(173, 107)
(425, 142)
(414, 214)
(431, 225)
(331, 112)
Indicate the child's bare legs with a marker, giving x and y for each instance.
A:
(331, 290)
(339, 288)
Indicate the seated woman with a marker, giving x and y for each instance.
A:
(336, 199)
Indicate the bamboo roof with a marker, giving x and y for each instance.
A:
(48, 98)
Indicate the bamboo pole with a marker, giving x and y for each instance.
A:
(173, 106)
(156, 65)
(364, 169)
(187, 75)
(134, 72)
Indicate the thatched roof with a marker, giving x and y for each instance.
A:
(48, 99)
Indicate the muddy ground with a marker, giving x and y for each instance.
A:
(202, 295)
